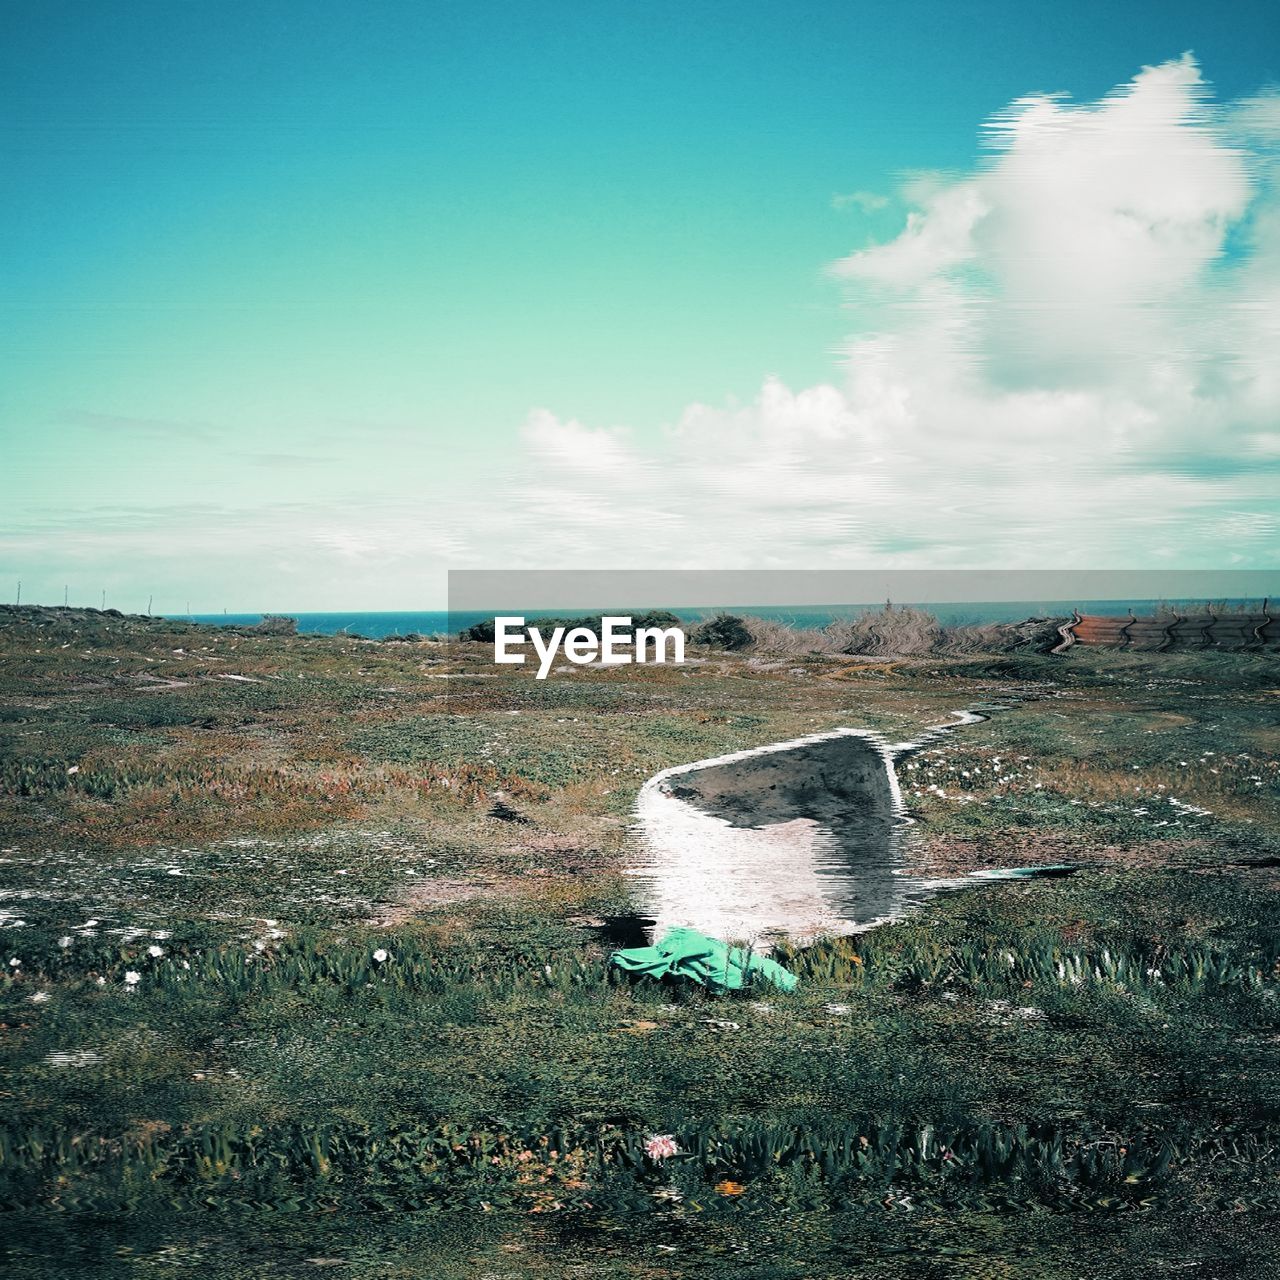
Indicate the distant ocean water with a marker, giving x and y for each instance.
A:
(376, 626)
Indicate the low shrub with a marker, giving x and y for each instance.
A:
(724, 631)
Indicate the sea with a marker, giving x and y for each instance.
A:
(377, 626)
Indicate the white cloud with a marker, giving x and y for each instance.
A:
(576, 448)
(938, 238)
(1065, 358)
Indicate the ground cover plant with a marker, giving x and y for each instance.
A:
(304, 966)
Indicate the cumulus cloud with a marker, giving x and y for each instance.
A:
(938, 238)
(1065, 357)
(575, 448)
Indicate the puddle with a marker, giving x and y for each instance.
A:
(802, 838)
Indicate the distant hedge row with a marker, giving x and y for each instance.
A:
(894, 631)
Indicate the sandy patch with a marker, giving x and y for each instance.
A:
(430, 895)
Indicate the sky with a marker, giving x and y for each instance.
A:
(302, 306)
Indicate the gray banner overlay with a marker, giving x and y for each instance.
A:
(472, 590)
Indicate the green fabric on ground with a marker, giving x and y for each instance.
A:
(686, 953)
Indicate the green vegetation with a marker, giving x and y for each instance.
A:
(292, 992)
(724, 631)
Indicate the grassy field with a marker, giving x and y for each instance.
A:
(302, 970)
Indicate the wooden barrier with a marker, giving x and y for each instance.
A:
(1207, 630)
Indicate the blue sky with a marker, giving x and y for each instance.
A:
(304, 304)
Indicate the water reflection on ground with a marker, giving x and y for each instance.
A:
(800, 838)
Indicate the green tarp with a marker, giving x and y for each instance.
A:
(686, 953)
